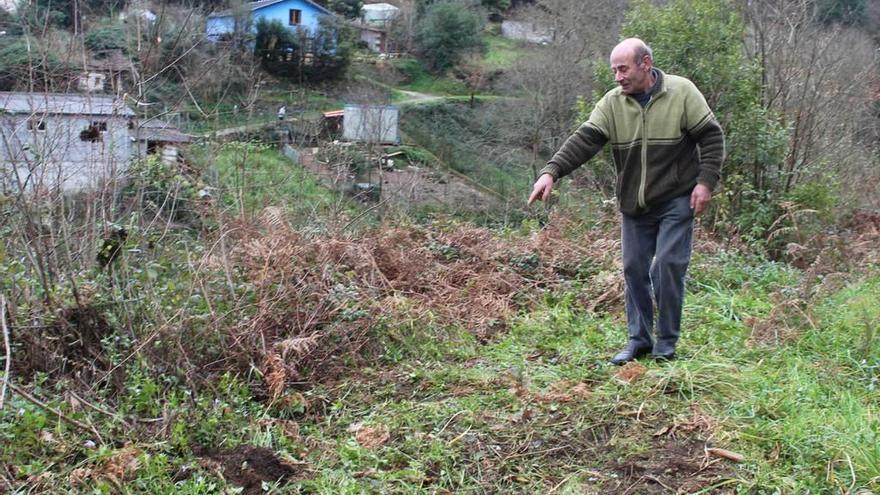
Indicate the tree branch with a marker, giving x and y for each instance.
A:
(42, 405)
(8, 349)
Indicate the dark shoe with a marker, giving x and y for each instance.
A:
(632, 352)
(663, 357)
(663, 351)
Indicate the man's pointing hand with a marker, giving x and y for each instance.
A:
(542, 188)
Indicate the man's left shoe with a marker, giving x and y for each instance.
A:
(663, 352)
(631, 352)
(663, 357)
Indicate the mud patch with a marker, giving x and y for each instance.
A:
(671, 466)
(70, 345)
(248, 467)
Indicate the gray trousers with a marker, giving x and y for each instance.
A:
(656, 254)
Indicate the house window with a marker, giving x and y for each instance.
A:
(295, 17)
(36, 125)
(94, 133)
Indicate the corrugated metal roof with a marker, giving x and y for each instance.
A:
(159, 130)
(62, 103)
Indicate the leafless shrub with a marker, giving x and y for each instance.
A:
(820, 79)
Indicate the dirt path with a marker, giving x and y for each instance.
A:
(414, 97)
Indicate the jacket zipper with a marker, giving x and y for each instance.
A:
(644, 176)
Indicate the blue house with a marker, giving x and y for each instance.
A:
(295, 14)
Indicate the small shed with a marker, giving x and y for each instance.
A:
(375, 38)
(158, 137)
(332, 123)
(371, 124)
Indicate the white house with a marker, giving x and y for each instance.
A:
(527, 31)
(62, 141)
(380, 14)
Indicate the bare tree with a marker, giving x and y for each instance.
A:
(403, 28)
(818, 78)
(551, 77)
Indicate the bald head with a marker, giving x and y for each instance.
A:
(634, 49)
(631, 63)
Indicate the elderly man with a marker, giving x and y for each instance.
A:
(667, 149)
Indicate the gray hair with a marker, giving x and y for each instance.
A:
(641, 49)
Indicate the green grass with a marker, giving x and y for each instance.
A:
(501, 52)
(804, 415)
(436, 85)
(419, 79)
(465, 139)
(255, 176)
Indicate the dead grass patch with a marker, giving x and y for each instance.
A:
(316, 300)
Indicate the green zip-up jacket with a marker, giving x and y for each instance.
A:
(660, 151)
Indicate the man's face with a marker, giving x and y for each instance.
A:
(632, 77)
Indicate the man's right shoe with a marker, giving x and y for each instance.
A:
(632, 352)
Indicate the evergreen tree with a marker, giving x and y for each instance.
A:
(350, 9)
(448, 30)
(331, 51)
(277, 48)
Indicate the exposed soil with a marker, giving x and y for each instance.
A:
(671, 466)
(248, 467)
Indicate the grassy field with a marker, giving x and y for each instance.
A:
(501, 52)
(540, 411)
(464, 383)
(419, 80)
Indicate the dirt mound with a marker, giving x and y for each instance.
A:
(71, 344)
(248, 467)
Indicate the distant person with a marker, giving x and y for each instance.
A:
(667, 148)
(282, 112)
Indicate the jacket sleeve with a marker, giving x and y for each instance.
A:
(586, 141)
(706, 131)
